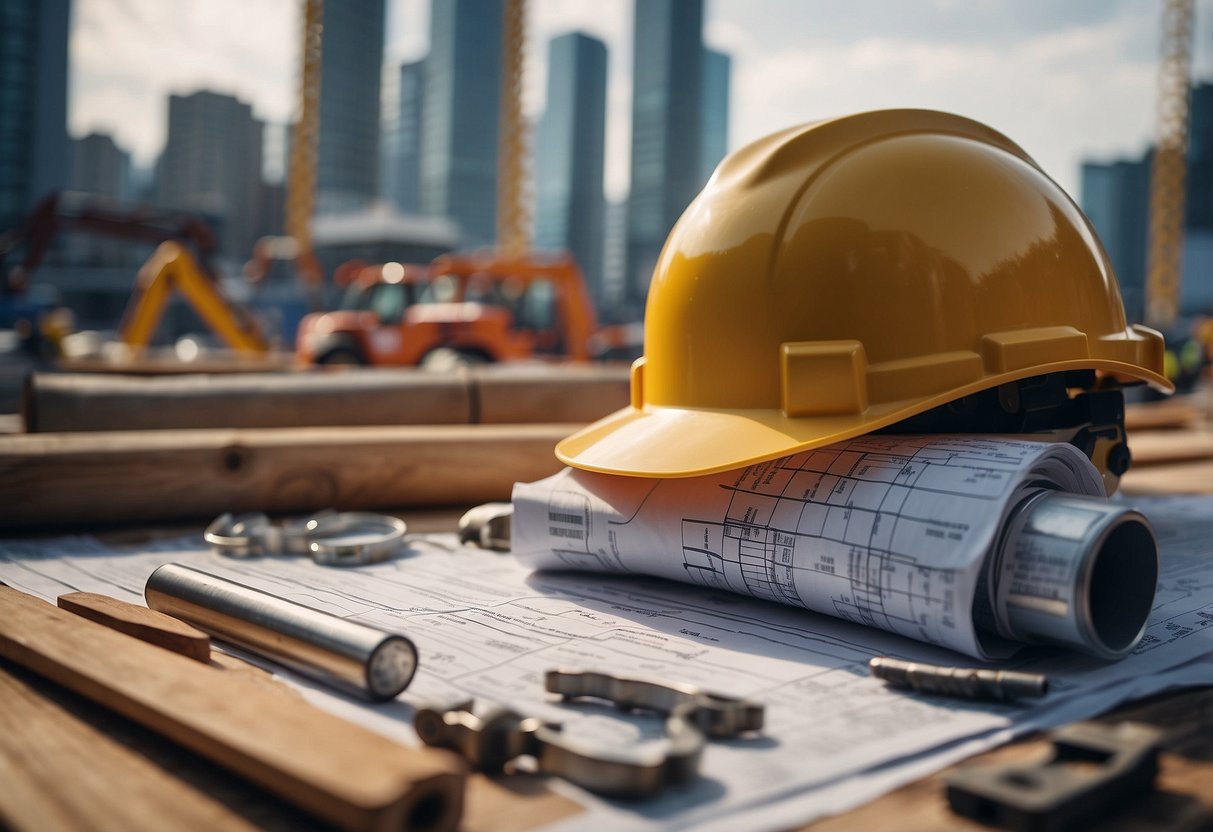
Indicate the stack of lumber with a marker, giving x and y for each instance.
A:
(114, 450)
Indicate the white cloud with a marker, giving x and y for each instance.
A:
(1061, 95)
(127, 56)
(1066, 81)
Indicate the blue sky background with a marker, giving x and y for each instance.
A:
(1066, 80)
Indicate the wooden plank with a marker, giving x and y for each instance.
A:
(59, 772)
(95, 479)
(344, 773)
(523, 393)
(1184, 478)
(513, 803)
(139, 622)
(56, 402)
(1157, 447)
(53, 402)
(1163, 415)
(1183, 800)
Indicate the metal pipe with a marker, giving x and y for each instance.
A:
(344, 654)
(1075, 571)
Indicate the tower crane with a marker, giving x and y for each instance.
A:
(513, 181)
(301, 169)
(1168, 174)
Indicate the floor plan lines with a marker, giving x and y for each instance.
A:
(887, 531)
(835, 530)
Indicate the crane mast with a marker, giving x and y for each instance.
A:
(301, 172)
(513, 196)
(1168, 174)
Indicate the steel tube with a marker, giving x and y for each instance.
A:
(1075, 571)
(349, 656)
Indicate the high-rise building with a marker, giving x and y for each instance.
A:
(667, 73)
(34, 156)
(101, 167)
(1199, 213)
(212, 165)
(459, 117)
(1116, 198)
(347, 152)
(570, 155)
(401, 173)
(717, 67)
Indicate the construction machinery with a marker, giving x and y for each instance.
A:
(301, 170)
(57, 213)
(172, 268)
(182, 262)
(462, 309)
(1169, 171)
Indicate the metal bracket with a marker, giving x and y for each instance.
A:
(492, 740)
(487, 526)
(372, 537)
(1094, 767)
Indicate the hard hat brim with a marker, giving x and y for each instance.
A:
(659, 441)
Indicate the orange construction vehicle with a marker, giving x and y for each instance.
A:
(462, 309)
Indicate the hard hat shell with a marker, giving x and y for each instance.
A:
(835, 278)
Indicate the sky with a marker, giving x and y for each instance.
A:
(1067, 81)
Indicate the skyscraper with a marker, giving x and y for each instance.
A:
(101, 167)
(402, 141)
(1116, 199)
(570, 153)
(212, 165)
(347, 152)
(1199, 213)
(459, 116)
(667, 73)
(717, 67)
(34, 157)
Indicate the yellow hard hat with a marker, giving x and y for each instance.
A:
(838, 277)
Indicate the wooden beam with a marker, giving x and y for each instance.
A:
(59, 772)
(58, 402)
(1159, 447)
(139, 622)
(1183, 478)
(335, 769)
(95, 479)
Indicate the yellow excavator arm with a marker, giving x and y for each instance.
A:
(170, 268)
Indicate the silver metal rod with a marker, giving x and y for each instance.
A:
(1075, 571)
(349, 656)
(963, 682)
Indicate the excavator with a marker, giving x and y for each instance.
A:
(180, 263)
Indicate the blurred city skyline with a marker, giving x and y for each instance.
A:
(1068, 82)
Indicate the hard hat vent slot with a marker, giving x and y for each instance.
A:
(1006, 352)
(822, 378)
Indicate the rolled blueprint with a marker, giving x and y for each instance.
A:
(976, 543)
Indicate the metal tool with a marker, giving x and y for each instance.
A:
(963, 682)
(1094, 768)
(1075, 571)
(493, 739)
(344, 654)
(331, 538)
(487, 526)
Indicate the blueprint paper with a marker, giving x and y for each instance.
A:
(888, 531)
(486, 627)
